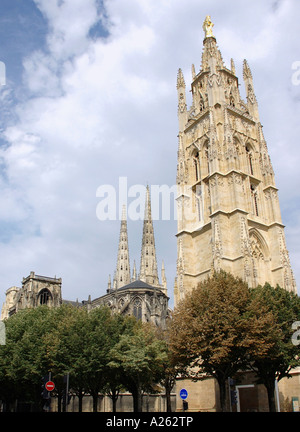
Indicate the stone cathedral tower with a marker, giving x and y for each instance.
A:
(228, 209)
(148, 265)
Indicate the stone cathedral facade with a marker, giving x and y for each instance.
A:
(228, 209)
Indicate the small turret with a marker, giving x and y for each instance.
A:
(182, 107)
(251, 98)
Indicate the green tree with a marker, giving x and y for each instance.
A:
(272, 354)
(119, 325)
(139, 357)
(64, 348)
(170, 367)
(97, 346)
(80, 347)
(23, 359)
(208, 329)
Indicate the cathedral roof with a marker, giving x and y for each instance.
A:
(137, 284)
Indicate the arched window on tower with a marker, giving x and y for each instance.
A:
(44, 296)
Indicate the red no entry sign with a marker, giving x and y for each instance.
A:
(50, 386)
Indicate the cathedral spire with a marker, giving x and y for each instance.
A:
(122, 274)
(148, 265)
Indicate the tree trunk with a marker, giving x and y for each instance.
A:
(222, 387)
(137, 398)
(80, 397)
(168, 399)
(270, 386)
(114, 397)
(59, 402)
(95, 401)
(114, 403)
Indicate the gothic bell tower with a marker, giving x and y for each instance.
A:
(227, 204)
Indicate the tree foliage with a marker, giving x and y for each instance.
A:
(101, 352)
(208, 329)
(222, 327)
(140, 357)
(274, 358)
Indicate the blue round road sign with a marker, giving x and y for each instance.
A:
(183, 394)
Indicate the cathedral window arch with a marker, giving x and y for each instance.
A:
(259, 248)
(44, 296)
(137, 309)
(260, 256)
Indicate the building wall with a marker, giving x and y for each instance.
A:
(150, 403)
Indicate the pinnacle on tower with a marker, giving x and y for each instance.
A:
(122, 273)
(251, 98)
(182, 107)
(148, 265)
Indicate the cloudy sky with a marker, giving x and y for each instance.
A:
(90, 96)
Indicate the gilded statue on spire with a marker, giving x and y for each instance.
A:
(207, 27)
